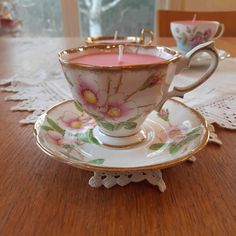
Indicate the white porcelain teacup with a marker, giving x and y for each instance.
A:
(189, 34)
(119, 96)
(146, 38)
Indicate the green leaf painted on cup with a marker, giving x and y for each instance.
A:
(156, 146)
(78, 106)
(194, 29)
(175, 147)
(188, 30)
(97, 161)
(47, 128)
(84, 137)
(195, 130)
(55, 126)
(130, 125)
(107, 126)
(118, 126)
(88, 137)
(92, 139)
(134, 118)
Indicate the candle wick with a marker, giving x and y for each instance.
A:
(194, 17)
(115, 35)
(121, 53)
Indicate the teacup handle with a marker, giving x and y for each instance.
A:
(183, 63)
(221, 30)
(146, 33)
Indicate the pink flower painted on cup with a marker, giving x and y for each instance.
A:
(152, 81)
(207, 34)
(73, 121)
(56, 138)
(164, 114)
(90, 97)
(176, 134)
(59, 140)
(119, 110)
(197, 39)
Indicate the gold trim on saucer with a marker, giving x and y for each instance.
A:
(91, 167)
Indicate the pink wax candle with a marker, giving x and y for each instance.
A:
(111, 59)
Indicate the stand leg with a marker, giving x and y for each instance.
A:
(110, 179)
(192, 159)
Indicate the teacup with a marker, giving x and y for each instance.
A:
(189, 34)
(146, 38)
(120, 95)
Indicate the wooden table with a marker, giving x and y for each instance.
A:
(39, 196)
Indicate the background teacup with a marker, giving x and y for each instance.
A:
(189, 34)
(120, 96)
(146, 38)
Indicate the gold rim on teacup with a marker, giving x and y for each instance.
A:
(145, 34)
(111, 48)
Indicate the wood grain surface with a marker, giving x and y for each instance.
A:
(39, 196)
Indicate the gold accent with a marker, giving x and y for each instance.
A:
(91, 167)
(151, 36)
(126, 136)
(127, 39)
(176, 56)
(119, 137)
(123, 146)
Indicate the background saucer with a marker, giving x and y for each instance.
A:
(173, 135)
(203, 59)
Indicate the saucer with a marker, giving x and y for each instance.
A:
(203, 59)
(172, 136)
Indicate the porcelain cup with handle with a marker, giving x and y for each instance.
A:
(189, 34)
(121, 97)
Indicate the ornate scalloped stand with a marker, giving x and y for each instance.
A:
(110, 179)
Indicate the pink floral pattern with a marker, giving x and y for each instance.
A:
(176, 136)
(164, 114)
(118, 110)
(90, 96)
(111, 108)
(56, 138)
(73, 121)
(192, 37)
(199, 38)
(67, 140)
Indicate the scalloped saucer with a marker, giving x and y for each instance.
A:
(172, 136)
